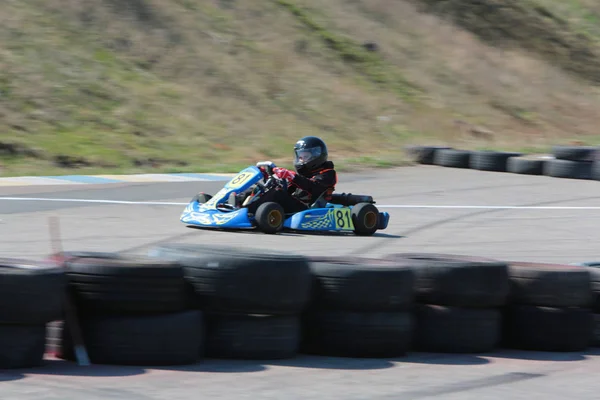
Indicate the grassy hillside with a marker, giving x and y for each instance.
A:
(185, 85)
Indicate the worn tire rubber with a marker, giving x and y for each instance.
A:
(525, 166)
(127, 285)
(23, 346)
(595, 342)
(424, 154)
(149, 340)
(575, 153)
(456, 280)
(30, 292)
(252, 337)
(361, 284)
(457, 330)
(550, 285)
(594, 271)
(568, 169)
(244, 281)
(452, 158)
(548, 328)
(360, 335)
(490, 160)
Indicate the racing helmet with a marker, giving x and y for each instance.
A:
(310, 153)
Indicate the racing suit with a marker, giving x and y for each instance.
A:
(302, 191)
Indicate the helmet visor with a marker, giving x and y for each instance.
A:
(306, 155)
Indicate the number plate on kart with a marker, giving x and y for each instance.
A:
(342, 218)
(239, 180)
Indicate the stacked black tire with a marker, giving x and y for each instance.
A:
(573, 162)
(252, 300)
(359, 308)
(550, 308)
(31, 296)
(458, 302)
(131, 311)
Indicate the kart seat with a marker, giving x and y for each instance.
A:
(349, 199)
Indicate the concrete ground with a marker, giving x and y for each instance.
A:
(442, 210)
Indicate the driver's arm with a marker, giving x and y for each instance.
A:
(317, 184)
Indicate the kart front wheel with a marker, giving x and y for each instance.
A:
(365, 217)
(202, 197)
(270, 217)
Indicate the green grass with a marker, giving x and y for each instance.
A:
(187, 86)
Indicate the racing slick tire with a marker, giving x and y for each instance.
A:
(540, 328)
(550, 285)
(30, 292)
(252, 337)
(357, 334)
(443, 329)
(270, 217)
(23, 346)
(365, 217)
(361, 284)
(226, 279)
(458, 280)
(127, 285)
(148, 340)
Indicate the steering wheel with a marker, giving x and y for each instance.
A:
(272, 178)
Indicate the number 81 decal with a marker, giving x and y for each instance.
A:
(342, 218)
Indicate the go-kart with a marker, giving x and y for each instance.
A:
(343, 212)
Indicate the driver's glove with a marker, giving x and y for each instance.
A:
(283, 173)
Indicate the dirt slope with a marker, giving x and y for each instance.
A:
(185, 85)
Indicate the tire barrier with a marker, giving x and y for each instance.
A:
(183, 303)
(32, 296)
(570, 162)
(457, 302)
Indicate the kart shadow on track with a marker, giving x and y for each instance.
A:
(294, 232)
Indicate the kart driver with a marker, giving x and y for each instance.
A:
(315, 176)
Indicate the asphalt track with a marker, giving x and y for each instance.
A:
(433, 209)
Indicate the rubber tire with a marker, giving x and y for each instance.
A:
(525, 166)
(354, 334)
(490, 160)
(150, 340)
(31, 292)
(595, 173)
(452, 158)
(592, 268)
(568, 169)
(424, 154)
(550, 285)
(548, 328)
(458, 281)
(128, 285)
(443, 329)
(23, 346)
(575, 153)
(359, 214)
(246, 281)
(202, 198)
(361, 284)
(252, 337)
(262, 217)
(596, 336)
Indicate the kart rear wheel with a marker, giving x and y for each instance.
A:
(270, 217)
(365, 217)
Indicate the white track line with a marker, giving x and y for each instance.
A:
(168, 203)
(152, 203)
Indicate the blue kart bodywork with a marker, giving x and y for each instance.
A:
(216, 213)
